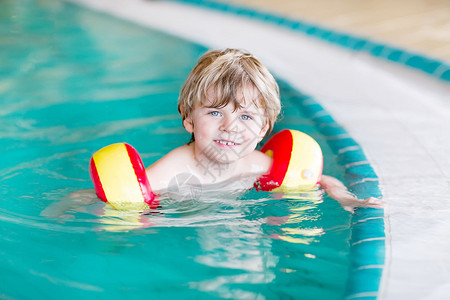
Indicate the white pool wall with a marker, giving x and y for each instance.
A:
(400, 117)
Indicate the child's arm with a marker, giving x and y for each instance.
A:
(73, 200)
(337, 190)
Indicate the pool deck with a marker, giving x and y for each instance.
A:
(400, 116)
(419, 25)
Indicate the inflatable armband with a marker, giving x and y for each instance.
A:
(119, 178)
(297, 162)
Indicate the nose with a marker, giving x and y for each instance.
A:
(229, 125)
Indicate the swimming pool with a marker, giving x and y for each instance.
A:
(391, 107)
(75, 81)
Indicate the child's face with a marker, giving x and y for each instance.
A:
(225, 135)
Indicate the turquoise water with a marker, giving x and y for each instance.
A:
(73, 81)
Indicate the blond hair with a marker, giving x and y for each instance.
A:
(228, 72)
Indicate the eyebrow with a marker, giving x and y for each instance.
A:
(246, 111)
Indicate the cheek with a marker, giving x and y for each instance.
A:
(253, 130)
(202, 131)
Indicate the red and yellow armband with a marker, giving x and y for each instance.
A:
(297, 162)
(119, 178)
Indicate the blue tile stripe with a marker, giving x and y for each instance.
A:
(434, 67)
(367, 250)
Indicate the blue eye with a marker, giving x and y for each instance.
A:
(246, 117)
(214, 113)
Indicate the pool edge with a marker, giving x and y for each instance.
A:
(431, 66)
(368, 225)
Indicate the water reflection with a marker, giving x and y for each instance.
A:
(73, 81)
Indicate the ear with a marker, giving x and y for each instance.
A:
(263, 132)
(188, 124)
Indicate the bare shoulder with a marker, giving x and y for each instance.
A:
(182, 151)
(259, 162)
(173, 158)
(162, 171)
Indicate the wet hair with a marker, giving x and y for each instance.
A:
(229, 72)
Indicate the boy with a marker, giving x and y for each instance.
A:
(229, 103)
(227, 115)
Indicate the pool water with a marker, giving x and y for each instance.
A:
(73, 81)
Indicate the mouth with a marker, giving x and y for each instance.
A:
(226, 143)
